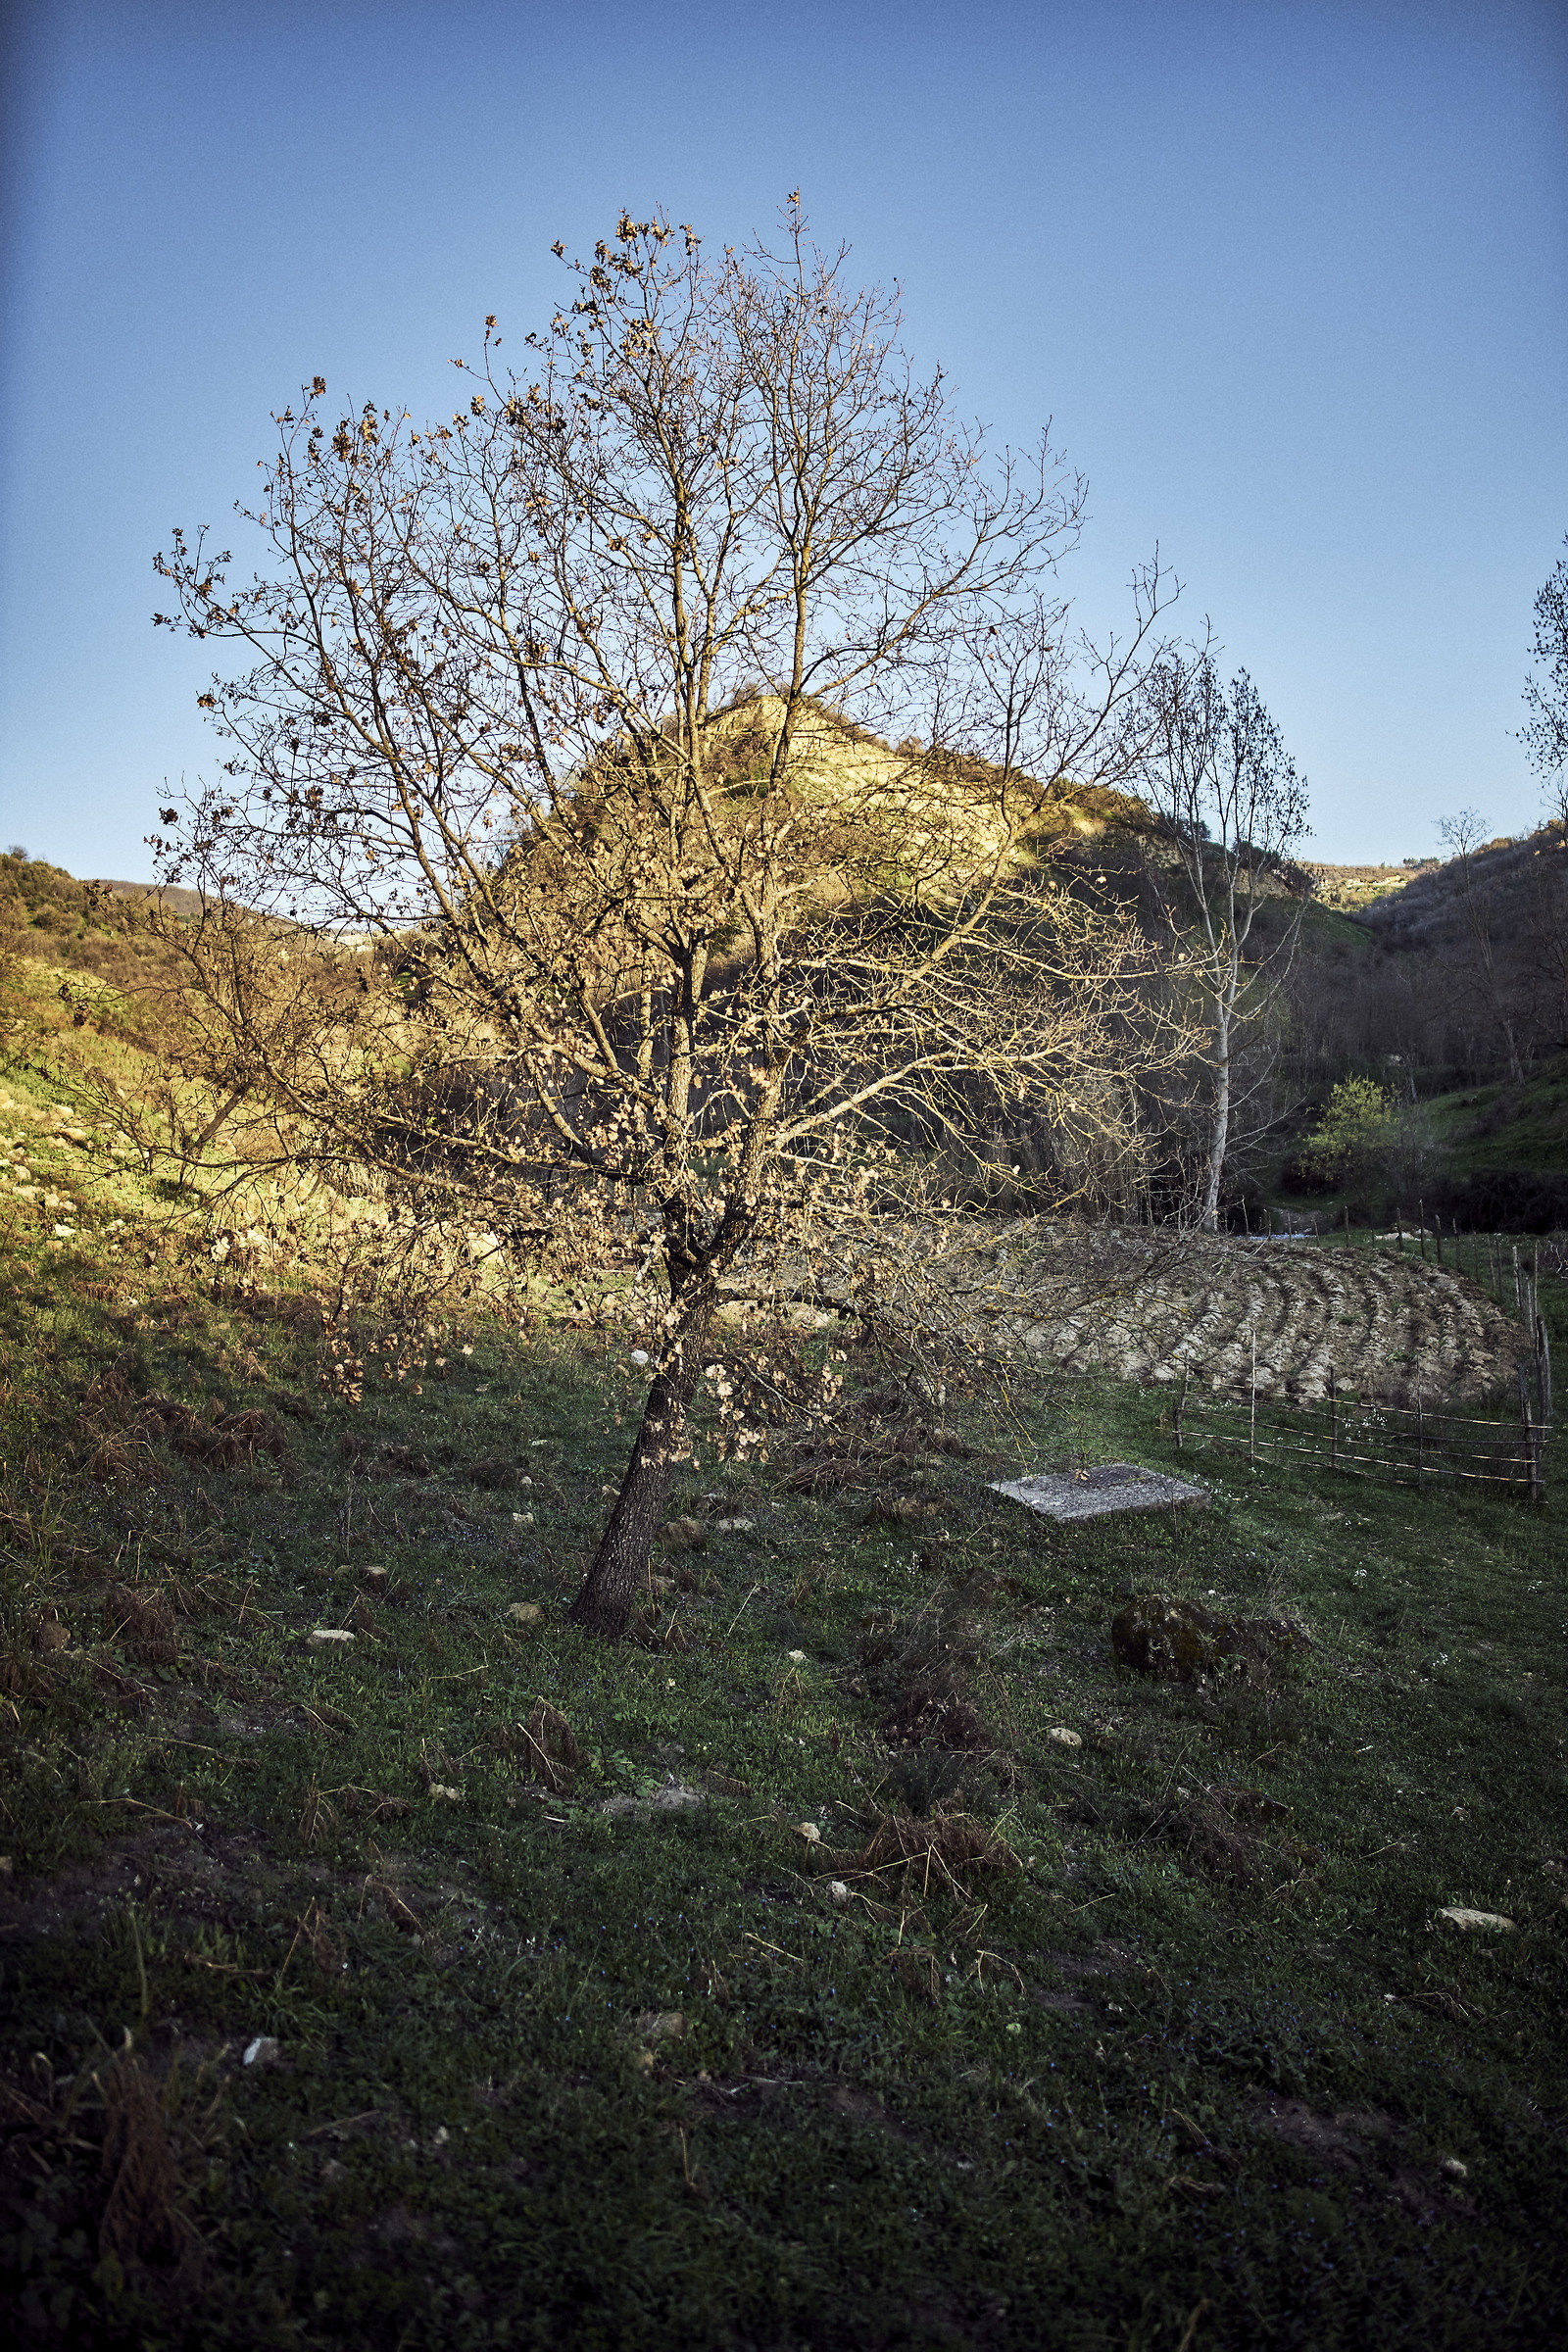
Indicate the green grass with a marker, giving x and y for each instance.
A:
(1187, 2070)
(1506, 1126)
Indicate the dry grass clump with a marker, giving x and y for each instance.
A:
(318, 1817)
(493, 1473)
(1232, 1834)
(546, 1746)
(866, 1443)
(146, 1623)
(915, 1854)
(143, 2215)
(920, 1669)
(117, 1433)
(652, 1626)
(357, 1801)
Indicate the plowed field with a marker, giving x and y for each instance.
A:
(1145, 1312)
(1146, 1307)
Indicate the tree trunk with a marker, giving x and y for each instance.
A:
(695, 1254)
(620, 1564)
(1219, 1132)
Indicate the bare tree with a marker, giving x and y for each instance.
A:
(1233, 807)
(585, 699)
(1464, 837)
(1546, 732)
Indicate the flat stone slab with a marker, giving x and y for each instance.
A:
(1094, 1494)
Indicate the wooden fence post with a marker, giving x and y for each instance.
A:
(1543, 1369)
(1334, 1424)
(1421, 1213)
(1420, 1439)
(1531, 1468)
(1251, 1442)
(1518, 1302)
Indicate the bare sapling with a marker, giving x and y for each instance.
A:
(1233, 807)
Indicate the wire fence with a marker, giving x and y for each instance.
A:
(1369, 1437)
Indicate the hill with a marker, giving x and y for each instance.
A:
(100, 928)
(1438, 903)
(1357, 886)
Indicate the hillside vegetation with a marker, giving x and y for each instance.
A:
(1451, 995)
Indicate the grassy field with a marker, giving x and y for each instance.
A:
(465, 1982)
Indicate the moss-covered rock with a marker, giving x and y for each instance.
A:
(1177, 1642)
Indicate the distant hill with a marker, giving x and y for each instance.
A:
(101, 928)
(1352, 886)
(1431, 909)
(172, 894)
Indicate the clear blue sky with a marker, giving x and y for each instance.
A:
(1291, 280)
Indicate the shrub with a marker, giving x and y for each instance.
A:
(1351, 1131)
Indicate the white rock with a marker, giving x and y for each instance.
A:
(838, 1891)
(676, 1798)
(797, 1657)
(809, 1831)
(330, 1636)
(1457, 1915)
(524, 1612)
(262, 2051)
(1065, 1739)
(439, 1791)
(639, 1355)
(733, 1527)
(1461, 2172)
